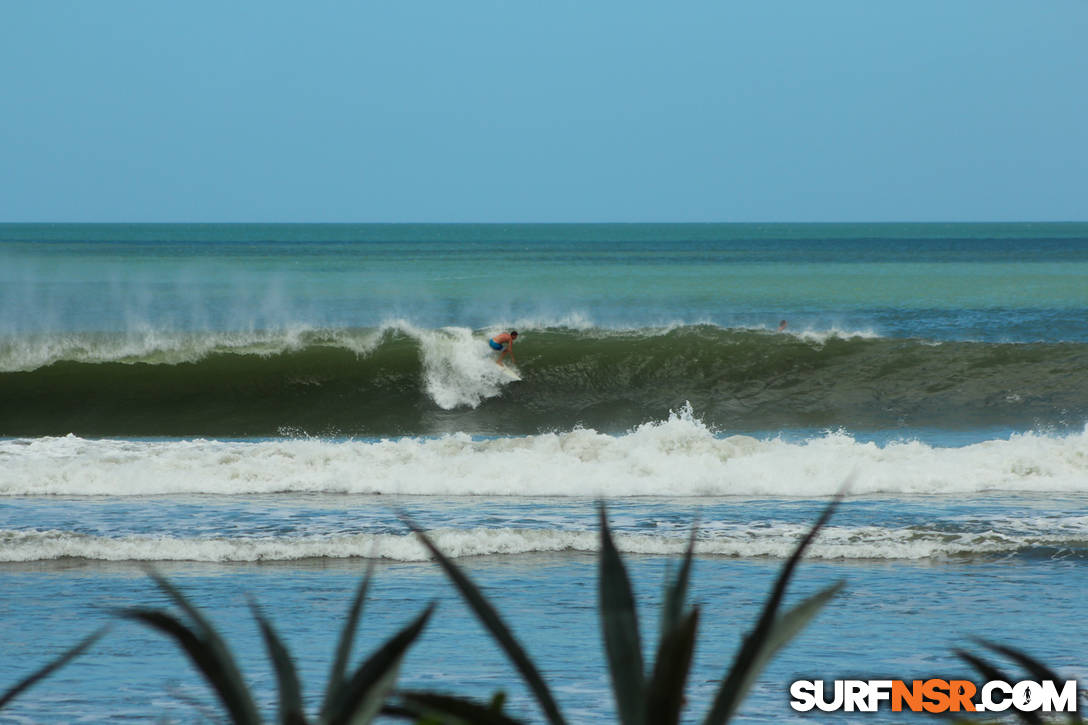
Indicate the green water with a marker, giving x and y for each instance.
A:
(1005, 282)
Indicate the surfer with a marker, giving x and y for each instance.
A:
(503, 343)
(781, 325)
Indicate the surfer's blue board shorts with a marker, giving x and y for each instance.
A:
(494, 345)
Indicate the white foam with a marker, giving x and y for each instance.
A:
(459, 368)
(675, 457)
(775, 540)
(146, 344)
(452, 352)
(822, 335)
(575, 320)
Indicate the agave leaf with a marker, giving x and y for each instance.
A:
(361, 698)
(752, 654)
(619, 626)
(29, 681)
(230, 676)
(490, 618)
(665, 696)
(676, 590)
(372, 704)
(984, 668)
(1037, 669)
(291, 711)
(401, 712)
(202, 624)
(232, 692)
(343, 647)
(990, 672)
(786, 628)
(793, 621)
(441, 706)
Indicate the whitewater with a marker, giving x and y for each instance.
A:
(257, 411)
(401, 379)
(679, 457)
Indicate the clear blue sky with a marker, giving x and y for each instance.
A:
(607, 110)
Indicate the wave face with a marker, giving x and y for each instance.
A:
(401, 380)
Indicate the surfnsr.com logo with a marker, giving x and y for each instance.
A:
(933, 696)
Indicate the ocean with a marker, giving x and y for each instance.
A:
(250, 408)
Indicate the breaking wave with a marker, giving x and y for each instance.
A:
(404, 380)
(774, 541)
(678, 457)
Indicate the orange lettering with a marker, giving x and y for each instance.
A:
(912, 695)
(937, 692)
(961, 692)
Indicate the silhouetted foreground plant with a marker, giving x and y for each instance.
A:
(35, 677)
(643, 697)
(355, 699)
(653, 696)
(1037, 670)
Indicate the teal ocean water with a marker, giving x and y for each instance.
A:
(246, 407)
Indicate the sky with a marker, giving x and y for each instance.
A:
(530, 111)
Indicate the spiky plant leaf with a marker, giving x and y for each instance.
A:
(290, 691)
(1037, 669)
(442, 707)
(984, 668)
(489, 617)
(343, 648)
(676, 590)
(787, 627)
(752, 654)
(230, 682)
(219, 673)
(991, 672)
(619, 626)
(665, 696)
(361, 698)
(400, 712)
(37, 676)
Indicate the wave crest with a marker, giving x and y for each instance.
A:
(678, 457)
(399, 380)
(770, 541)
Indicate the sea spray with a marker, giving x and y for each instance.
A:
(143, 343)
(399, 379)
(458, 369)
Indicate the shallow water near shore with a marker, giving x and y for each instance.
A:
(923, 574)
(895, 619)
(250, 408)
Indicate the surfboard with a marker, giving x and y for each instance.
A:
(509, 373)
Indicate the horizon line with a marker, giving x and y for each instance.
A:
(544, 223)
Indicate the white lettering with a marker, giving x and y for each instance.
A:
(988, 703)
(1064, 701)
(836, 702)
(994, 696)
(856, 696)
(1027, 696)
(803, 693)
(878, 690)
